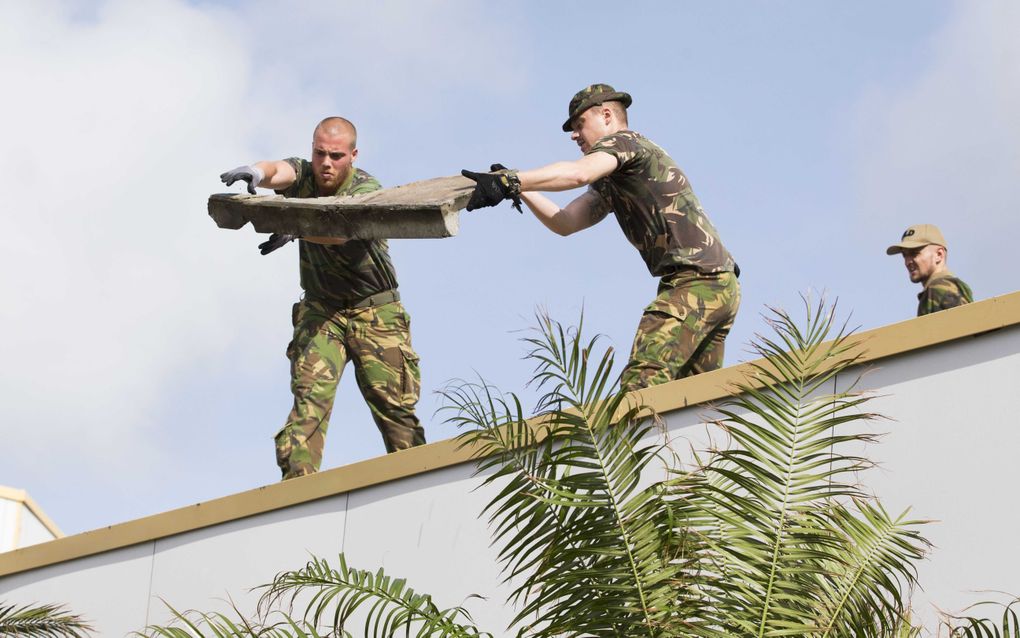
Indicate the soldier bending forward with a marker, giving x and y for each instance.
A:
(350, 310)
(682, 332)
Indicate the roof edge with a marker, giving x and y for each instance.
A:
(887, 341)
(21, 496)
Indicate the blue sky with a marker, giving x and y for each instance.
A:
(143, 348)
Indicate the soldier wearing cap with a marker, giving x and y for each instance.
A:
(924, 254)
(682, 332)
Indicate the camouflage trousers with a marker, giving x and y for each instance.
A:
(377, 340)
(683, 332)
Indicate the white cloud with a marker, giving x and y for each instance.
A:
(406, 54)
(107, 149)
(944, 146)
(116, 287)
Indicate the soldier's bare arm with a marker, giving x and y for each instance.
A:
(562, 176)
(278, 174)
(586, 210)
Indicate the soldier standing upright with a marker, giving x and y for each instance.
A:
(926, 257)
(350, 309)
(683, 331)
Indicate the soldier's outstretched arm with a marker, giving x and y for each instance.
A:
(563, 176)
(583, 212)
(279, 174)
(266, 174)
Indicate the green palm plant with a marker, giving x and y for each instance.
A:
(788, 543)
(337, 595)
(1007, 626)
(41, 621)
(602, 531)
(588, 545)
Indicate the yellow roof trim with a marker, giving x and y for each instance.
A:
(900, 338)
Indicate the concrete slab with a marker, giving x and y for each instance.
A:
(424, 209)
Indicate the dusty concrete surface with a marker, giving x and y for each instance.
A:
(424, 209)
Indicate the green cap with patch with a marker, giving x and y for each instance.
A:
(591, 96)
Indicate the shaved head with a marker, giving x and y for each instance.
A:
(336, 126)
(334, 147)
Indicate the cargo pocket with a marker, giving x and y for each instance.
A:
(295, 312)
(664, 309)
(410, 376)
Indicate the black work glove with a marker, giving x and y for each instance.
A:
(514, 199)
(250, 174)
(492, 188)
(276, 240)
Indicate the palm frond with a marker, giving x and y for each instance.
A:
(41, 621)
(197, 624)
(582, 538)
(336, 598)
(866, 594)
(1008, 626)
(387, 603)
(782, 544)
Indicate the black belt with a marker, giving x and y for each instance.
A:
(673, 270)
(378, 299)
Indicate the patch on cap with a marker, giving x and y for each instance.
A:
(917, 236)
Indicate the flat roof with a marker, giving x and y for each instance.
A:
(892, 340)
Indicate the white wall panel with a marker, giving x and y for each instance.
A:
(32, 529)
(110, 590)
(206, 568)
(950, 454)
(9, 524)
(427, 529)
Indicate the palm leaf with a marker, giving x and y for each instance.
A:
(582, 540)
(42, 621)
(197, 624)
(387, 603)
(337, 598)
(790, 545)
(1008, 625)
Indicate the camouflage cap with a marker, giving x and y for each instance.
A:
(917, 236)
(591, 96)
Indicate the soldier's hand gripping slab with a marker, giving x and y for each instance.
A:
(492, 188)
(251, 174)
(276, 240)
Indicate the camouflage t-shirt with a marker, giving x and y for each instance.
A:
(349, 272)
(656, 207)
(943, 291)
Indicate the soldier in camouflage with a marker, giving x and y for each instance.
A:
(350, 310)
(683, 331)
(925, 255)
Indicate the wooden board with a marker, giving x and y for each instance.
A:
(429, 208)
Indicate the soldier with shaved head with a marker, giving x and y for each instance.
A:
(683, 331)
(350, 309)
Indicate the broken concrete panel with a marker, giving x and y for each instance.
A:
(428, 208)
